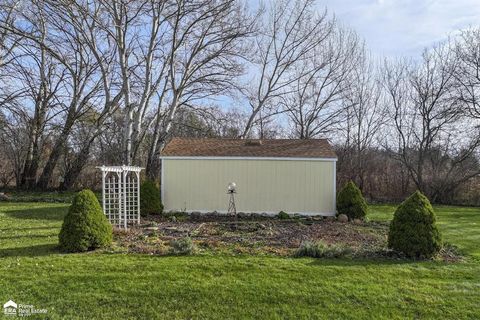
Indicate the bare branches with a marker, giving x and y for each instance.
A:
(112, 80)
(205, 43)
(467, 73)
(432, 130)
(283, 48)
(315, 102)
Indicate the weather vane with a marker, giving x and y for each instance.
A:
(231, 190)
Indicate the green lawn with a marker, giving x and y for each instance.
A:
(110, 286)
(459, 225)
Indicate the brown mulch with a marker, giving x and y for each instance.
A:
(264, 235)
(261, 235)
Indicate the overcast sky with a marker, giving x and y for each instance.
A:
(404, 27)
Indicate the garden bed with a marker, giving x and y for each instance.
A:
(260, 235)
(250, 235)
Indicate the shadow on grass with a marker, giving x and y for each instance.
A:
(43, 213)
(313, 262)
(30, 251)
(28, 236)
(381, 261)
(351, 262)
(28, 228)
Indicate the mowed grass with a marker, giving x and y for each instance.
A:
(119, 286)
(459, 225)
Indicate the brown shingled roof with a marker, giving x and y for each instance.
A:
(288, 148)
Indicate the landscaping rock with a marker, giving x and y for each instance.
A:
(330, 218)
(342, 218)
(243, 214)
(357, 221)
(256, 215)
(4, 197)
(195, 214)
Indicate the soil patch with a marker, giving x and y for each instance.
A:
(259, 235)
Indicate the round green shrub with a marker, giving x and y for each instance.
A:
(413, 230)
(150, 202)
(351, 202)
(283, 215)
(182, 246)
(85, 227)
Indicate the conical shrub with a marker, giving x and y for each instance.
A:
(351, 202)
(413, 229)
(85, 227)
(150, 202)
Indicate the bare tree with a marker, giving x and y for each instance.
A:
(431, 130)
(314, 103)
(135, 29)
(42, 25)
(205, 48)
(76, 42)
(467, 73)
(287, 38)
(39, 80)
(151, 57)
(10, 136)
(365, 116)
(81, 89)
(7, 44)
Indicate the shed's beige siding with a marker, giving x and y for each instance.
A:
(294, 186)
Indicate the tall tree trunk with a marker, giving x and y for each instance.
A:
(47, 172)
(128, 134)
(152, 169)
(159, 138)
(42, 97)
(29, 174)
(154, 163)
(77, 166)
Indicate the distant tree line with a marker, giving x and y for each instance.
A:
(85, 83)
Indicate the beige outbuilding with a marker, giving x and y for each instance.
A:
(271, 175)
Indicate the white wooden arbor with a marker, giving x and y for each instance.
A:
(121, 194)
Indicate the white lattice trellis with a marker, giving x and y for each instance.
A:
(121, 194)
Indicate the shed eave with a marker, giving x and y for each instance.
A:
(246, 158)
